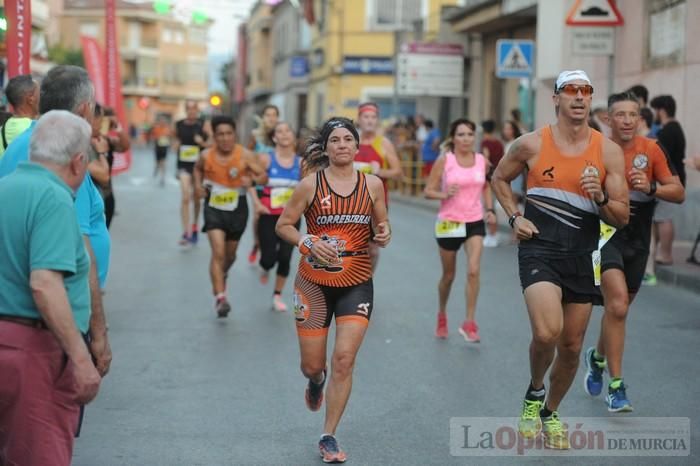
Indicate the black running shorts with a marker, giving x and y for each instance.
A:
(185, 167)
(233, 222)
(161, 152)
(631, 261)
(477, 228)
(315, 305)
(574, 275)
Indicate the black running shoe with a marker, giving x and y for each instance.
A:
(314, 393)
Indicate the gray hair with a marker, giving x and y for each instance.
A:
(65, 87)
(58, 136)
(18, 88)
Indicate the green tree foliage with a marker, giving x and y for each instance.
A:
(64, 56)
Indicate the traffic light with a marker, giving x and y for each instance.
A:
(215, 100)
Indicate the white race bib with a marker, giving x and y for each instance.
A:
(189, 153)
(448, 229)
(223, 198)
(606, 232)
(364, 167)
(279, 197)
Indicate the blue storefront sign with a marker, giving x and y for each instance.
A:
(298, 67)
(368, 65)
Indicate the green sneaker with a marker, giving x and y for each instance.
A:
(530, 423)
(555, 437)
(649, 279)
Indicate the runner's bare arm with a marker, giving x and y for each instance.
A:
(617, 211)
(206, 136)
(669, 189)
(301, 199)
(488, 203)
(255, 167)
(511, 165)
(198, 174)
(393, 172)
(176, 143)
(522, 151)
(264, 160)
(669, 186)
(380, 220)
(433, 187)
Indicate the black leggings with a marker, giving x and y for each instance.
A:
(272, 249)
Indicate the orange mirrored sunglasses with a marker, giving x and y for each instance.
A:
(573, 89)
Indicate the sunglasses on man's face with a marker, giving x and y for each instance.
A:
(573, 90)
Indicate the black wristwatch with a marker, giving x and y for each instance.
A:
(605, 200)
(652, 188)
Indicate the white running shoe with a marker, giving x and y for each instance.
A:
(491, 241)
(278, 304)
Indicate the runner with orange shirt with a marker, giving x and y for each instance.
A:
(650, 176)
(342, 208)
(222, 175)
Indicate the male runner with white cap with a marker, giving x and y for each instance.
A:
(575, 178)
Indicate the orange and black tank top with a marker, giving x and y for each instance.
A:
(567, 217)
(227, 174)
(346, 222)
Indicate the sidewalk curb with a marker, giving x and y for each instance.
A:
(666, 275)
(687, 281)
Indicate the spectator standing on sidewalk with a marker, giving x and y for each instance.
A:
(672, 139)
(44, 298)
(642, 94)
(430, 148)
(22, 93)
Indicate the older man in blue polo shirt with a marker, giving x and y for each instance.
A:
(69, 88)
(47, 370)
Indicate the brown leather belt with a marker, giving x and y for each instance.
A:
(34, 323)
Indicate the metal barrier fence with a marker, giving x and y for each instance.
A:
(412, 181)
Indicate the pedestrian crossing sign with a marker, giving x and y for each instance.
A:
(514, 58)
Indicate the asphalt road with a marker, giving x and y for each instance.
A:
(189, 389)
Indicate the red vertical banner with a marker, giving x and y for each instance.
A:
(122, 161)
(19, 36)
(95, 65)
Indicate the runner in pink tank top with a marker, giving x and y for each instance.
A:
(465, 206)
(458, 179)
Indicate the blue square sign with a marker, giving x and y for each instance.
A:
(514, 58)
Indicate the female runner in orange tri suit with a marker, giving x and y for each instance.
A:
(344, 209)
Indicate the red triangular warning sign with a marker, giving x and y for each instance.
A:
(594, 13)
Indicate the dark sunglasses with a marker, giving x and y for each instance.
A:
(573, 90)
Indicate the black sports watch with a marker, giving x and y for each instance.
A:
(605, 200)
(652, 188)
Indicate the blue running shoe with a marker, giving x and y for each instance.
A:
(617, 398)
(193, 237)
(593, 382)
(330, 451)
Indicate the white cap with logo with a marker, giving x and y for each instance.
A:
(566, 77)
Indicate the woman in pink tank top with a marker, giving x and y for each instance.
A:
(458, 179)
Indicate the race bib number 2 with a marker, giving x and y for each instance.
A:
(606, 232)
(224, 199)
(279, 197)
(448, 229)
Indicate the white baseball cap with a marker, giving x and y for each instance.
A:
(567, 76)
